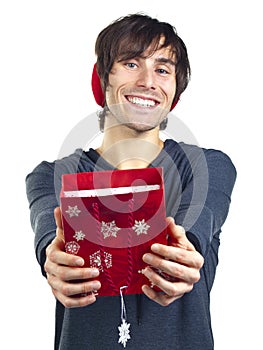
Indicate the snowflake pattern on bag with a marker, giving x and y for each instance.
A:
(141, 227)
(73, 211)
(72, 247)
(96, 260)
(109, 229)
(79, 235)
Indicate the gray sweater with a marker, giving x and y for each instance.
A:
(198, 187)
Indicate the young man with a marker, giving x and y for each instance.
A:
(143, 68)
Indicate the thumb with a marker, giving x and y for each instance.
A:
(57, 215)
(177, 235)
(58, 219)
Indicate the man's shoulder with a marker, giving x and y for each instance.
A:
(173, 147)
(74, 162)
(194, 155)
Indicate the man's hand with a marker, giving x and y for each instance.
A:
(69, 280)
(180, 261)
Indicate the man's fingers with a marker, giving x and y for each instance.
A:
(173, 269)
(66, 273)
(179, 255)
(60, 257)
(169, 282)
(73, 288)
(170, 291)
(160, 298)
(74, 302)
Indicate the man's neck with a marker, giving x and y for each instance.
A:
(125, 148)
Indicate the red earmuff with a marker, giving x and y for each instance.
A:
(96, 88)
(98, 93)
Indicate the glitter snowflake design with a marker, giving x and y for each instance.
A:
(124, 333)
(141, 227)
(108, 260)
(73, 211)
(95, 260)
(79, 235)
(72, 247)
(109, 229)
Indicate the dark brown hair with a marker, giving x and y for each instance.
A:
(129, 37)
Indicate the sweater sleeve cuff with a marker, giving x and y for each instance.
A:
(45, 228)
(199, 225)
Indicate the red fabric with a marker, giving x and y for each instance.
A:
(96, 88)
(98, 93)
(117, 254)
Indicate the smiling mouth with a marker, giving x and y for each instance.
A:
(141, 102)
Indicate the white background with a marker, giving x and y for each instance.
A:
(47, 54)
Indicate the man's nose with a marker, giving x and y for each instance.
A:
(146, 79)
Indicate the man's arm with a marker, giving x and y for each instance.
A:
(61, 269)
(203, 208)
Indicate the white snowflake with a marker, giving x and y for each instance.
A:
(95, 260)
(124, 333)
(72, 247)
(141, 227)
(109, 229)
(108, 260)
(79, 235)
(73, 211)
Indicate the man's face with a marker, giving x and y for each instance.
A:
(141, 90)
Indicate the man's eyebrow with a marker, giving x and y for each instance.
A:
(157, 60)
(165, 60)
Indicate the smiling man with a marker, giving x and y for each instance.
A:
(141, 89)
(142, 69)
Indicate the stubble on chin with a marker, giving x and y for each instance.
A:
(139, 121)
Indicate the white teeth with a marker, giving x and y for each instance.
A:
(141, 102)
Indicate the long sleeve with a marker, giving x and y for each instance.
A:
(199, 198)
(40, 189)
(205, 200)
(43, 187)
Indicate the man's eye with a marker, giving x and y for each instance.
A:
(162, 71)
(130, 65)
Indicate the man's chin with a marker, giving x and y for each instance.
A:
(140, 127)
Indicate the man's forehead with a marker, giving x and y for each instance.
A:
(160, 53)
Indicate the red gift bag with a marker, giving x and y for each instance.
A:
(111, 218)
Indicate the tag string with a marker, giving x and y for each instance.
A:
(123, 307)
(130, 231)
